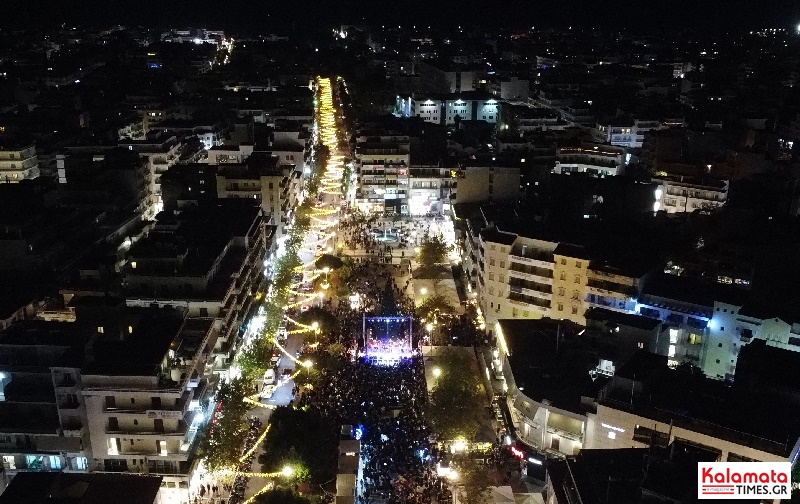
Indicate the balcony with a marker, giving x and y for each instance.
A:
(565, 434)
(543, 260)
(606, 288)
(181, 431)
(163, 411)
(530, 292)
(531, 273)
(524, 300)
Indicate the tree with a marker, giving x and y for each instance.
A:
(474, 481)
(455, 405)
(432, 251)
(222, 442)
(302, 439)
(281, 496)
(434, 308)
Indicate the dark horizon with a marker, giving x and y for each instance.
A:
(246, 15)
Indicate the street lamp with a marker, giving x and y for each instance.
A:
(315, 325)
(423, 291)
(287, 471)
(429, 327)
(308, 364)
(437, 372)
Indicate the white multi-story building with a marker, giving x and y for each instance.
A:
(626, 133)
(17, 163)
(446, 109)
(679, 194)
(598, 159)
(383, 172)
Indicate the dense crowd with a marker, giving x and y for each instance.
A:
(384, 403)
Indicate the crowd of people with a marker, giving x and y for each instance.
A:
(384, 403)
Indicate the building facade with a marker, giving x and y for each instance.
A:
(18, 163)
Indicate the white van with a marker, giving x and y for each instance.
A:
(269, 377)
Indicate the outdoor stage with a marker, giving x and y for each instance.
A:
(387, 340)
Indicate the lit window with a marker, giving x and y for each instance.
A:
(130, 329)
(671, 351)
(55, 462)
(163, 448)
(113, 446)
(673, 336)
(101, 329)
(81, 463)
(9, 462)
(133, 264)
(612, 435)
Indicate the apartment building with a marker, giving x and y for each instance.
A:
(558, 409)
(448, 109)
(430, 188)
(208, 261)
(18, 162)
(596, 159)
(233, 154)
(144, 398)
(383, 163)
(42, 419)
(161, 153)
(525, 277)
(570, 272)
(642, 407)
(118, 390)
(265, 179)
(625, 132)
(680, 194)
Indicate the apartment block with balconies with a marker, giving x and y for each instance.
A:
(612, 288)
(146, 396)
(570, 272)
(161, 153)
(209, 261)
(518, 276)
(679, 194)
(265, 179)
(18, 163)
(42, 416)
(597, 159)
(383, 162)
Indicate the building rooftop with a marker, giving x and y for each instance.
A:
(496, 236)
(687, 399)
(142, 351)
(546, 370)
(76, 488)
(622, 319)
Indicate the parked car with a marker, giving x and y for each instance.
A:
(267, 391)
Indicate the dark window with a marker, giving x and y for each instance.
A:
(650, 436)
(113, 424)
(794, 341)
(158, 425)
(111, 402)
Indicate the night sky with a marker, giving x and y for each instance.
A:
(261, 14)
